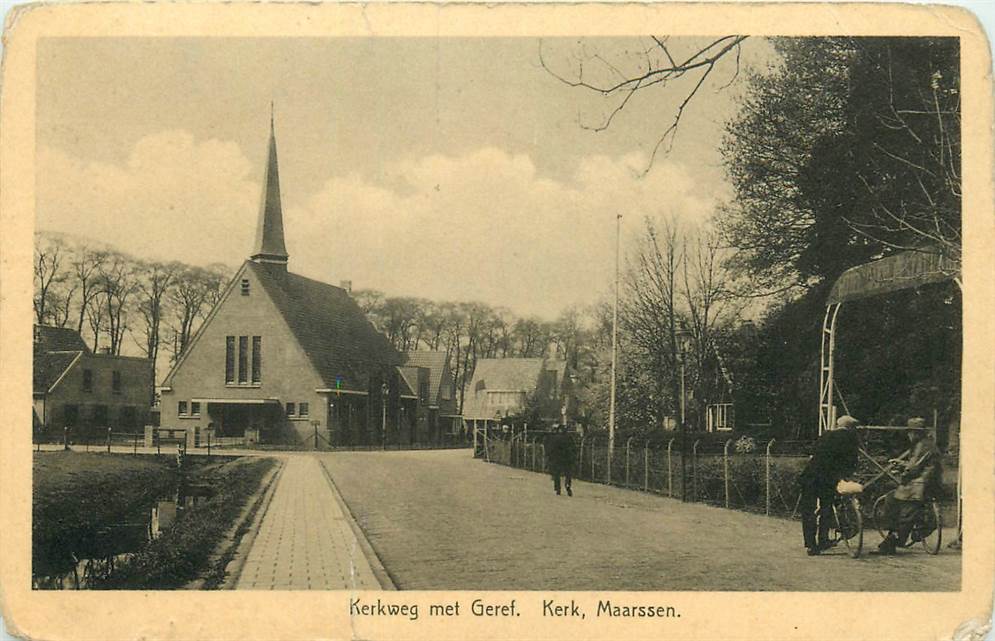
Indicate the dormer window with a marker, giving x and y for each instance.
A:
(245, 287)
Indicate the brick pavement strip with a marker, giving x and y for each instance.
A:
(442, 520)
(305, 541)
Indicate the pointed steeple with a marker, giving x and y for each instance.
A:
(269, 246)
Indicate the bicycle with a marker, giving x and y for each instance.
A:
(848, 523)
(927, 529)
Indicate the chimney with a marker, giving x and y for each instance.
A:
(346, 285)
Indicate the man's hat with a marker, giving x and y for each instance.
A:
(846, 421)
(917, 423)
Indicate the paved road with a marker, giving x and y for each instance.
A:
(304, 541)
(441, 520)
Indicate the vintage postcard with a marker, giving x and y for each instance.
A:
(411, 321)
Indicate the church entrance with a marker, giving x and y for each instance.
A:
(234, 418)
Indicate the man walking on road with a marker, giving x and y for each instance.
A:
(834, 458)
(560, 454)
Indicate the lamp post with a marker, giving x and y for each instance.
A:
(682, 345)
(383, 416)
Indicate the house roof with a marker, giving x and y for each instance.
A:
(329, 326)
(501, 374)
(49, 367)
(436, 364)
(58, 339)
(409, 376)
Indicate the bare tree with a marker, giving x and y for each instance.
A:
(657, 65)
(49, 273)
(86, 266)
(153, 283)
(117, 282)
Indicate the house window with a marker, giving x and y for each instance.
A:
(181, 408)
(257, 358)
(303, 408)
(290, 409)
(100, 415)
(245, 287)
(243, 359)
(194, 408)
(116, 381)
(88, 380)
(70, 415)
(720, 417)
(229, 359)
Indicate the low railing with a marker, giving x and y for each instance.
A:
(737, 473)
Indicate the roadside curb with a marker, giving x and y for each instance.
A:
(381, 573)
(251, 515)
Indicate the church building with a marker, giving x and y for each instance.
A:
(287, 359)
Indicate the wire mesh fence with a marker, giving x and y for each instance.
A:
(742, 473)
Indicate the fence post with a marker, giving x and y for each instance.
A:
(580, 455)
(65, 438)
(593, 458)
(628, 441)
(108, 440)
(725, 469)
(670, 471)
(209, 443)
(158, 441)
(767, 476)
(535, 448)
(646, 467)
(608, 456)
(694, 471)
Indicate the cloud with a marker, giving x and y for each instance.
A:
(173, 198)
(486, 225)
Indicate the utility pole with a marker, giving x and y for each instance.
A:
(611, 402)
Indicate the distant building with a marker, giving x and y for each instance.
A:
(287, 359)
(87, 392)
(503, 388)
(436, 392)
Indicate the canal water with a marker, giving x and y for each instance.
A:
(86, 557)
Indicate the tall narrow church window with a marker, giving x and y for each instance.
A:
(245, 287)
(243, 359)
(229, 359)
(257, 356)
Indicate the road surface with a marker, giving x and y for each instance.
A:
(441, 520)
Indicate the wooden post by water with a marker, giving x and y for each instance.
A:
(108, 440)
(65, 438)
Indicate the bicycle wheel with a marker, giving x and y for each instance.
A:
(850, 524)
(932, 526)
(879, 516)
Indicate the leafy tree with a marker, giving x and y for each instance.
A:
(848, 150)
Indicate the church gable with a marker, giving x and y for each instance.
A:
(221, 360)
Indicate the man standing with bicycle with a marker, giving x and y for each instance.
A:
(920, 473)
(835, 457)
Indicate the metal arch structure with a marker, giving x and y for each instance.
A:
(900, 271)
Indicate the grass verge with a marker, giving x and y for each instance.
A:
(182, 553)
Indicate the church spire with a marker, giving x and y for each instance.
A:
(269, 246)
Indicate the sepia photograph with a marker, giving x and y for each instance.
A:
(612, 314)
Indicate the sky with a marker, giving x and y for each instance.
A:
(449, 169)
